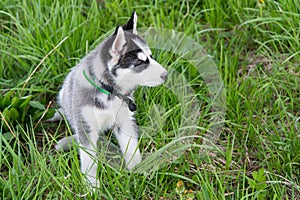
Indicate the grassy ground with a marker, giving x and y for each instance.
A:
(256, 47)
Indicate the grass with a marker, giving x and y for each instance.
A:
(255, 46)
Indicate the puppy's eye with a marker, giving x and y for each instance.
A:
(141, 62)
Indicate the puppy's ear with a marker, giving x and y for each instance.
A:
(131, 24)
(119, 42)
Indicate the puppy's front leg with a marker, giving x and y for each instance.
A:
(127, 136)
(88, 158)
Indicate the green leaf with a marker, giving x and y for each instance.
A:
(6, 101)
(1, 97)
(254, 175)
(252, 183)
(37, 115)
(259, 176)
(7, 115)
(37, 104)
(261, 186)
(8, 136)
(25, 103)
(14, 114)
(24, 106)
(15, 102)
(50, 113)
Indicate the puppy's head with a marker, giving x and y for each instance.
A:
(130, 62)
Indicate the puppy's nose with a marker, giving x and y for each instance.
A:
(164, 76)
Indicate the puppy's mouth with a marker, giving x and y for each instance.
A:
(163, 78)
(152, 84)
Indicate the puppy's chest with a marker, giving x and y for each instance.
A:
(111, 112)
(111, 109)
(111, 103)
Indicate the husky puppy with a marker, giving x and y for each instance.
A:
(97, 95)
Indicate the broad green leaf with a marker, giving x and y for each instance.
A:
(6, 113)
(8, 136)
(15, 102)
(6, 101)
(25, 103)
(14, 114)
(37, 104)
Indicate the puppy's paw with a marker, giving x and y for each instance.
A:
(64, 144)
(92, 183)
(133, 160)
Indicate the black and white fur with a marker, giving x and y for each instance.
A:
(119, 64)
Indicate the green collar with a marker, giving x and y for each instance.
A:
(95, 85)
(125, 98)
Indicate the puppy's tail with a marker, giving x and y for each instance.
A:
(66, 143)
